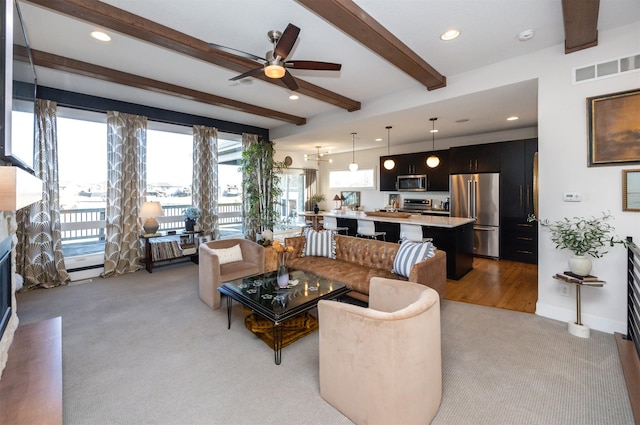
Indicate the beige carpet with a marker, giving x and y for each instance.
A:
(143, 349)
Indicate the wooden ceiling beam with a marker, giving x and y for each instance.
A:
(119, 20)
(580, 24)
(356, 23)
(73, 66)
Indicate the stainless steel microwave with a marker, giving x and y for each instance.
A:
(412, 183)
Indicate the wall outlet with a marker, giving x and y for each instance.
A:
(564, 290)
(572, 197)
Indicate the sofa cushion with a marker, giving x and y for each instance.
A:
(320, 244)
(228, 255)
(409, 254)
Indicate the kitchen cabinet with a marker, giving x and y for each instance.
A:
(474, 159)
(416, 163)
(519, 238)
(438, 178)
(388, 177)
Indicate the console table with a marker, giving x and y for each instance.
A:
(577, 328)
(160, 247)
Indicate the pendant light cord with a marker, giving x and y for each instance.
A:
(389, 140)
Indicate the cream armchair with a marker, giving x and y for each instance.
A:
(212, 274)
(383, 364)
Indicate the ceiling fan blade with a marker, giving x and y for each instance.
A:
(247, 74)
(286, 42)
(322, 66)
(236, 52)
(289, 81)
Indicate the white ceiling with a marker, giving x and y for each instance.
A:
(489, 30)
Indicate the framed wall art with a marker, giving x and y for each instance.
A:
(614, 128)
(631, 190)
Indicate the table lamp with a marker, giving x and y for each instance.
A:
(150, 210)
(337, 198)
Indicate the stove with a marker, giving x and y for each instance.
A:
(416, 205)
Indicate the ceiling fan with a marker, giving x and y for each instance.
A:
(274, 64)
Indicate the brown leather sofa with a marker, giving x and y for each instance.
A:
(212, 274)
(359, 259)
(383, 364)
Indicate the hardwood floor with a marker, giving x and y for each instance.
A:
(503, 284)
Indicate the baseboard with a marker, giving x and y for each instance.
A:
(594, 322)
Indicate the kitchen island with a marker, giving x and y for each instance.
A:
(454, 235)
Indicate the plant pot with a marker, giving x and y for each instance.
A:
(580, 265)
(188, 224)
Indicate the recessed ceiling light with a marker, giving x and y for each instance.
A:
(513, 118)
(461, 120)
(526, 35)
(378, 140)
(433, 131)
(449, 35)
(100, 35)
(294, 96)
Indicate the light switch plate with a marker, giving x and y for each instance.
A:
(572, 197)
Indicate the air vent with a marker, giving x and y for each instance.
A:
(606, 69)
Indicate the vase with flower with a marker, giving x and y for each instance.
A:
(282, 275)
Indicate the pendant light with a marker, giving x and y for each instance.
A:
(389, 164)
(353, 166)
(433, 161)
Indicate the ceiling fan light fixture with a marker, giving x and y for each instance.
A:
(274, 71)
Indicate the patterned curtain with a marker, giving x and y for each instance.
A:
(39, 257)
(310, 186)
(204, 188)
(126, 188)
(249, 226)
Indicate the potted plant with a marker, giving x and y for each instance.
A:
(191, 215)
(583, 236)
(315, 200)
(261, 188)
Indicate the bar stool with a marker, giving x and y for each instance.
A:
(367, 229)
(331, 223)
(413, 232)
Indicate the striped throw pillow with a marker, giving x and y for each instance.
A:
(409, 254)
(319, 244)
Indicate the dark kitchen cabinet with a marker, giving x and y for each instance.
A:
(438, 178)
(519, 238)
(474, 159)
(411, 163)
(406, 164)
(388, 177)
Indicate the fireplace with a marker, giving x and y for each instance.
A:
(5, 284)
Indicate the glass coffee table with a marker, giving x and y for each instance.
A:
(262, 295)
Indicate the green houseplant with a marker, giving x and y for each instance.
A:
(583, 236)
(261, 187)
(191, 215)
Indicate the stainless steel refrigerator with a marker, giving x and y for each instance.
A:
(478, 196)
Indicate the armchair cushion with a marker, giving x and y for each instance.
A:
(409, 254)
(228, 255)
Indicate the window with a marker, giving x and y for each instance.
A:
(364, 178)
(82, 176)
(229, 185)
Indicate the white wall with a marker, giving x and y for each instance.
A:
(562, 133)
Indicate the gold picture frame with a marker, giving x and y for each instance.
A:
(614, 128)
(631, 190)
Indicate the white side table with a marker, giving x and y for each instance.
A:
(577, 328)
